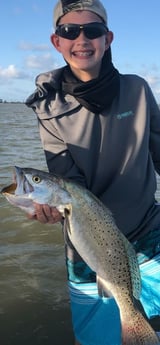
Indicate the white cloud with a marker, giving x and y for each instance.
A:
(11, 72)
(31, 66)
(150, 72)
(151, 79)
(27, 46)
(158, 91)
(41, 62)
(152, 76)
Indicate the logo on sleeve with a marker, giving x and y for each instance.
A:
(125, 114)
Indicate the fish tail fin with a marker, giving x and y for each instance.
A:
(137, 331)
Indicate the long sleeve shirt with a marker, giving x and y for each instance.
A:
(115, 153)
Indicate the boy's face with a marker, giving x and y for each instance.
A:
(82, 54)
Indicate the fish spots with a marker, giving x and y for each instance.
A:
(95, 236)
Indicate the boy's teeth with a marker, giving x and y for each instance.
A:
(83, 53)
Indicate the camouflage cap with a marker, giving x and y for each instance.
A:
(64, 6)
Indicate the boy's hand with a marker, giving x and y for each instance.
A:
(46, 214)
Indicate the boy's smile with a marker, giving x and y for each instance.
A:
(84, 55)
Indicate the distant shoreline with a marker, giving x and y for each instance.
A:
(12, 102)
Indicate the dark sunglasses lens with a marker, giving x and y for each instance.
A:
(70, 32)
(93, 32)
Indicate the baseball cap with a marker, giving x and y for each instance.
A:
(64, 6)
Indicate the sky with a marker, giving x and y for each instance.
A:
(26, 50)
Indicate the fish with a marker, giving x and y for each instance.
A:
(93, 232)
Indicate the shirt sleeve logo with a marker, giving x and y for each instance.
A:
(125, 114)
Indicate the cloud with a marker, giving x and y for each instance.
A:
(152, 80)
(41, 62)
(26, 46)
(150, 72)
(11, 72)
(152, 75)
(31, 66)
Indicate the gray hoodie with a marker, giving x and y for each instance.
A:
(114, 154)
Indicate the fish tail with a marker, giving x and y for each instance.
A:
(137, 331)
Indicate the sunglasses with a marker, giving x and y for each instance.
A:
(72, 31)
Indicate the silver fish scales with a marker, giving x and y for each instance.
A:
(93, 232)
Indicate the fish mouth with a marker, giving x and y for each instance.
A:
(9, 189)
(20, 185)
(19, 193)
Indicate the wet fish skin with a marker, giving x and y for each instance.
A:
(102, 246)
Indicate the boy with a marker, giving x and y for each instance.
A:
(101, 129)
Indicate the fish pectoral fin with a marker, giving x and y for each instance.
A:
(102, 287)
(67, 214)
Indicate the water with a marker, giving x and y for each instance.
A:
(34, 304)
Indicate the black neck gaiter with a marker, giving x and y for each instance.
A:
(95, 94)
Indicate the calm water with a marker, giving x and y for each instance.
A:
(34, 305)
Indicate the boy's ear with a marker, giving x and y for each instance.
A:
(109, 38)
(55, 41)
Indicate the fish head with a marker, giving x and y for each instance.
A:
(32, 185)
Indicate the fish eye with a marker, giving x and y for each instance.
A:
(36, 179)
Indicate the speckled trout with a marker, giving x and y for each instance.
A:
(94, 234)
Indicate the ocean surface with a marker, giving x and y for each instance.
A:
(34, 304)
